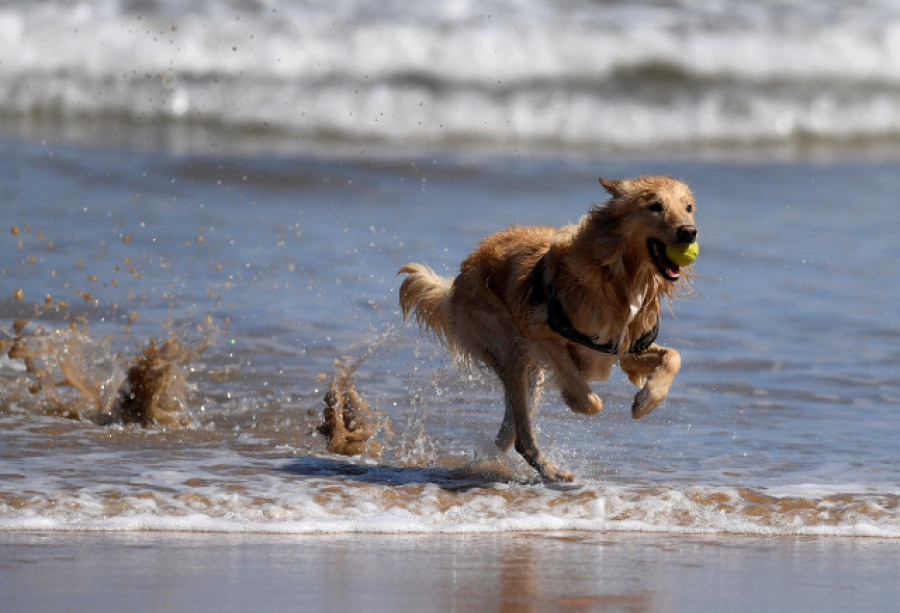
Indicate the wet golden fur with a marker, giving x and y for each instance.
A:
(608, 283)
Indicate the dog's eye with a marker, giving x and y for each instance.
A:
(656, 207)
(690, 208)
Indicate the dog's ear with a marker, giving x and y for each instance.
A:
(615, 188)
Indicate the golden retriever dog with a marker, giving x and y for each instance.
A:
(572, 301)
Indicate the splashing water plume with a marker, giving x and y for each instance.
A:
(155, 388)
(349, 423)
(68, 373)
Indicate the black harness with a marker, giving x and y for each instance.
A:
(559, 322)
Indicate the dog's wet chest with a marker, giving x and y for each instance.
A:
(635, 306)
(606, 328)
(637, 302)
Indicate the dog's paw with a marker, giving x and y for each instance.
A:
(554, 474)
(545, 468)
(645, 401)
(588, 405)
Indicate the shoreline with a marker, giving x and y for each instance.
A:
(463, 533)
(534, 571)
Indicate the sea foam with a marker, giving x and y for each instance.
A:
(611, 75)
(327, 495)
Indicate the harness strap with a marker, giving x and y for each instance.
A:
(559, 322)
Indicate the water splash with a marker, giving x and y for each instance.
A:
(67, 372)
(349, 424)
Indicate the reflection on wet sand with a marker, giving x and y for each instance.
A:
(515, 573)
(526, 572)
(528, 583)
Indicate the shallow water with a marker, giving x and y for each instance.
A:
(781, 421)
(242, 181)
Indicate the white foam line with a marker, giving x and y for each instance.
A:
(404, 523)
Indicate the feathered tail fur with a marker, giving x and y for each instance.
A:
(426, 295)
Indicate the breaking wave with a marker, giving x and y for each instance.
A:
(505, 73)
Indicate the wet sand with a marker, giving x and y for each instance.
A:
(512, 571)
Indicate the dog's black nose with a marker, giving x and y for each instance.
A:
(686, 234)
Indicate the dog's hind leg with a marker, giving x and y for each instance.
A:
(517, 383)
(485, 331)
(655, 368)
(507, 434)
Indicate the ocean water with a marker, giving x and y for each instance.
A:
(244, 180)
(521, 74)
(780, 422)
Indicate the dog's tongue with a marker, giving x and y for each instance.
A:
(671, 268)
(666, 266)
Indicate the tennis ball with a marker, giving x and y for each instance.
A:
(683, 254)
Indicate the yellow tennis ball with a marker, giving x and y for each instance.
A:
(683, 254)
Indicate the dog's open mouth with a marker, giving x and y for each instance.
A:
(667, 268)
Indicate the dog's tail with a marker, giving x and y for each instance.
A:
(426, 295)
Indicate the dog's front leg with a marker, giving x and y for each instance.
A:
(519, 379)
(576, 393)
(656, 369)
